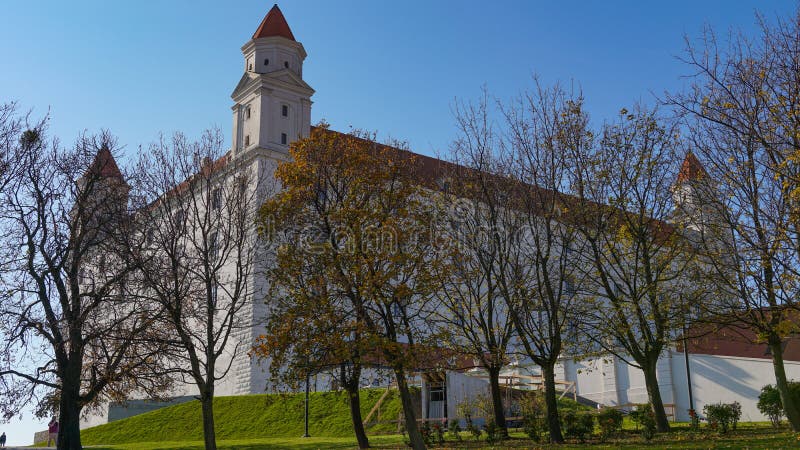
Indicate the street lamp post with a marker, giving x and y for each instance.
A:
(692, 412)
(305, 435)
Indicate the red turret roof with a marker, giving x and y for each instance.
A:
(274, 24)
(691, 169)
(104, 164)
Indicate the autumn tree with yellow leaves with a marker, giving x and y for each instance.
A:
(352, 243)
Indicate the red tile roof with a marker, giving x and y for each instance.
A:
(691, 169)
(429, 171)
(274, 24)
(737, 339)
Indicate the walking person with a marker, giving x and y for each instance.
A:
(52, 429)
(3, 440)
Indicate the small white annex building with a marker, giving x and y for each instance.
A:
(727, 366)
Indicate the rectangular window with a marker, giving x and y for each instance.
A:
(216, 199)
(179, 221)
(285, 110)
(247, 140)
(283, 138)
(247, 112)
(212, 251)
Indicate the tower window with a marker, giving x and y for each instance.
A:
(285, 110)
(266, 61)
(286, 64)
(283, 138)
(247, 140)
(247, 113)
(249, 66)
(216, 199)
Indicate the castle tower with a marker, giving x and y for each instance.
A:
(108, 190)
(272, 103)
(697, 205)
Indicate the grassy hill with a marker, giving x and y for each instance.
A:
(247, 417)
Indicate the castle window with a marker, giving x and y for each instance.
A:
(285, 110)
(179, 220)
(216, 199)
(283, 138)
(247, 140)
(286, 64)
(266, 61)
(213, 247)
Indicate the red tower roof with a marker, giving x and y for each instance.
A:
(691, 169)
(104, 164)
(274, 24)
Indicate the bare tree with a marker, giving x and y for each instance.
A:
(549, 138)
(742, 110)
(637, 263)
(473, 312)
(198, 219)
(72, 333)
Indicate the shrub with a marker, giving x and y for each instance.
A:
(610, 422)
(721, 415)
(643, 416)
(427, 433)
(466, 409)
(577, 425)
(769, 401)
(438, 432)
(454, 428)
(533, 411)
(493, 432)
(473, 429)
(694, 420)
(737, 414)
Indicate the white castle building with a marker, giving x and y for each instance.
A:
(272, 108)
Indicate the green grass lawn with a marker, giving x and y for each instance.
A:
(274, 421)
(749, 436)
(247, 417)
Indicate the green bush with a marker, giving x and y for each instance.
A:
(721, 416)
(533, 411)
(769, 401)
(455, 429)
(610, 422)
(737, 414)
(643, 416)
(493, 432)
(577, 425)
(473, 429)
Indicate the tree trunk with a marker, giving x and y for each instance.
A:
(209, 435)
(408, 411)
(69, 431)
(351, 385)
(654, 394)
(553, 422)
(790, 407)
(497, 399)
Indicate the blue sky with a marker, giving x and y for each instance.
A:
(140, 68)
